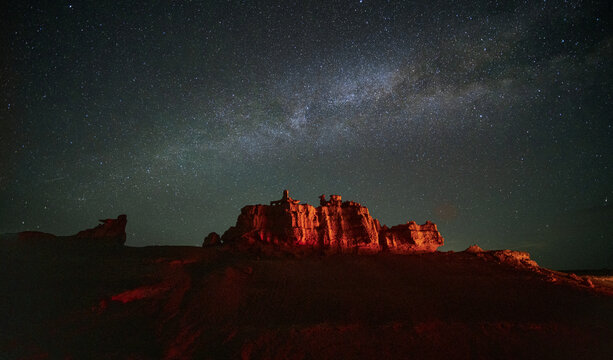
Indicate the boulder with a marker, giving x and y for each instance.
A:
(474, 249)
(212, 239)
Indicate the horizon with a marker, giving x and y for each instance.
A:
(344, 200)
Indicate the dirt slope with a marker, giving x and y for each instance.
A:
(187, 302)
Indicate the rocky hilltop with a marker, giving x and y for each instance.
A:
(334, 226)
(109, 232)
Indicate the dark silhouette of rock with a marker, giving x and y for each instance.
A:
(212, 239)
(34, 235)
(286, 199)
(109, 232)
(334, 226)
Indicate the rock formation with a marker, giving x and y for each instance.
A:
(212, 239)
(511, 257)
(411, 237)
(109, 232)
(334, 226)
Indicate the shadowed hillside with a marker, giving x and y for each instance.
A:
(187, 302)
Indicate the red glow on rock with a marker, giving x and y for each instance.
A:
(141, 293)
(334, 226)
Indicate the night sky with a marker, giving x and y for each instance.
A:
(492, 119)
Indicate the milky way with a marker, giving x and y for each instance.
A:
(493, 120)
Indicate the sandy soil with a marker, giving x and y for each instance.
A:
(186, 302)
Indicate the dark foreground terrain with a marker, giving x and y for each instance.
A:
(188, 302)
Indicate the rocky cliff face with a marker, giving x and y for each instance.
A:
(334, 226)
(411, 237)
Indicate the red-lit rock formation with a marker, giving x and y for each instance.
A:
(511, 257)
(334, 226)
(110, 232)
(411, 237)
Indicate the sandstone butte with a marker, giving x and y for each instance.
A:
(332, 227)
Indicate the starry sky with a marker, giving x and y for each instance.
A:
(492, 119)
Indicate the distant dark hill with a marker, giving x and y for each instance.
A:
(110, 232)
(212, 303)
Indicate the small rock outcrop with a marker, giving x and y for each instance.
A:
(109, 232)
(212, 239)
(474, 249)
(511, 257)
(334, 226)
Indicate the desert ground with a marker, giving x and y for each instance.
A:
(212, 303)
